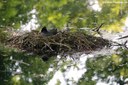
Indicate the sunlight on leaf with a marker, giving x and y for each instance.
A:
(124, 72)
(50, 18)
(1, 4)
(16, 80)
(116, 9)
(55, 16)
(116, 59)
(58, 82)
(17, 25)
(117, 27)
(11, 12)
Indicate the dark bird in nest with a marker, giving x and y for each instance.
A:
(46, 32)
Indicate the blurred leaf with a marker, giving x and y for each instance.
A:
(16, 80)
(11, 12)
(114, 27)
(1, 4)
(116, 59)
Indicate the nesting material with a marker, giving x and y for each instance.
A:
(61, 43)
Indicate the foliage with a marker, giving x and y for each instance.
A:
(19, 68)
(63, 43)
(103, 67)
(61, 12)
(13, 12)
(113, 14)
(3, 36)
(76, 14)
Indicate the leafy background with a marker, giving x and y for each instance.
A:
(60, 13)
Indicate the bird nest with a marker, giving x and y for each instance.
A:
(60, 43)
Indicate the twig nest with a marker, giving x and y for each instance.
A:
(60, 43)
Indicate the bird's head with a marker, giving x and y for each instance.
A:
(44, 30)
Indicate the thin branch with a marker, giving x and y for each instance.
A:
(21, 62)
